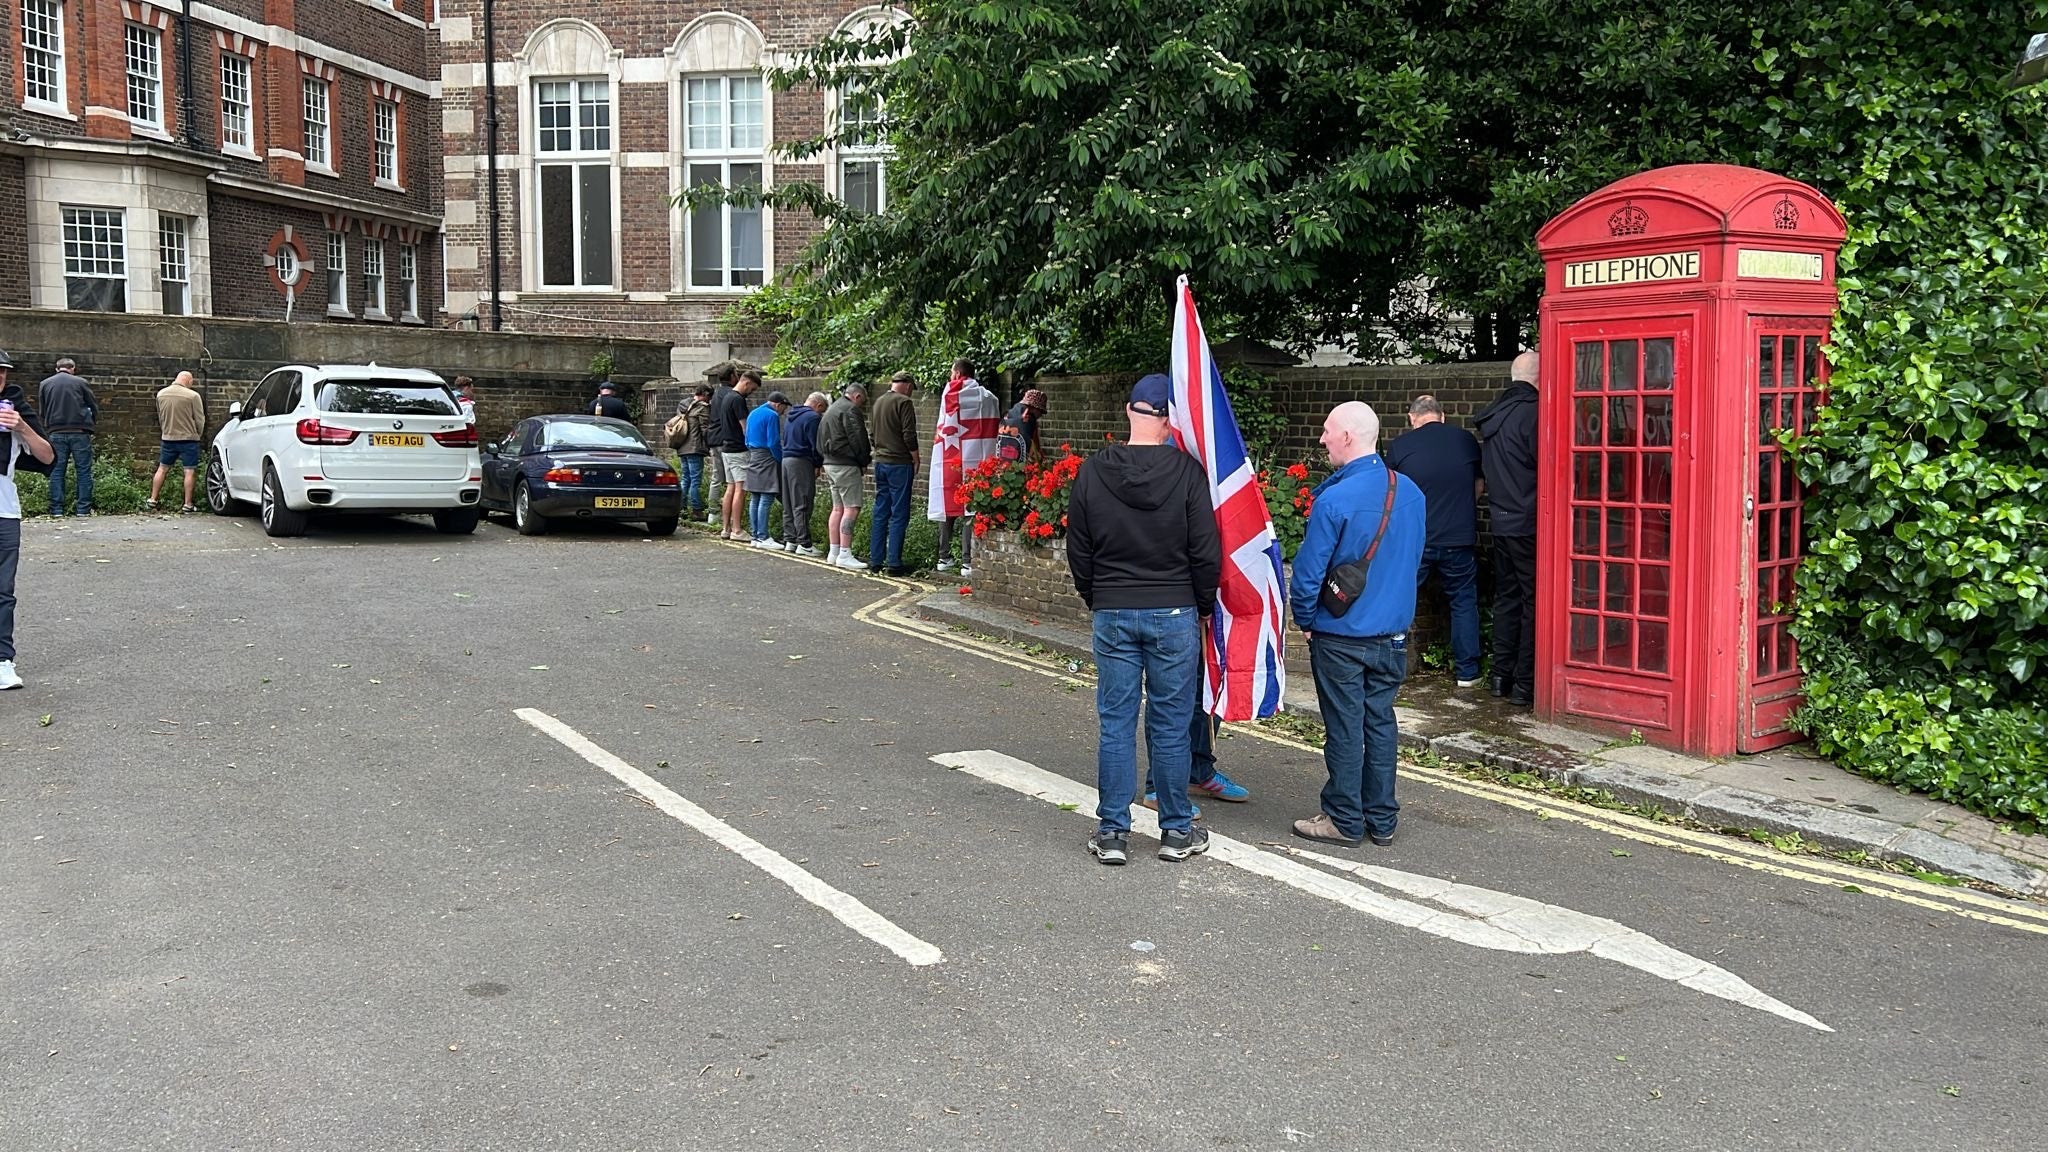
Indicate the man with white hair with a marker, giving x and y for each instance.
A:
(801, 463)
(1507, 454)
(1365, 516)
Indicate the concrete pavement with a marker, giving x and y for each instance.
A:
(288, 870)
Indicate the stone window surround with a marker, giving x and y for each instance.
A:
(858, 22)
(564, 49)
(88, 174)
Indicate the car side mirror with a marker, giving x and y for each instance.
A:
(493, 448)
(234, 410)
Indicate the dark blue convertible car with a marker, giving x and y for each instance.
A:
(580, 468)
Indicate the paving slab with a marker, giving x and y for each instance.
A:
(1654, 759)
(1838, 790)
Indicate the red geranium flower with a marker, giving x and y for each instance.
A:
(1298, 471)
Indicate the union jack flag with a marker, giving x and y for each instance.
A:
(1245, 673)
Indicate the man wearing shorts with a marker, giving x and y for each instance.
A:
(181, 420)
(843, 440)
(729, 410)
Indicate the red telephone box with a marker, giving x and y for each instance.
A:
(1683, 316)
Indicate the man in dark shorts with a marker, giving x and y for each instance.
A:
(181, 424)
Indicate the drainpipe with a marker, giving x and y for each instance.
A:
(187, 109)
(491, 154)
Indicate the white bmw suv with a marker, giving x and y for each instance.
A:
(346, 437)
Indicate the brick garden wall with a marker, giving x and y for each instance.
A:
(1029, 580)
(14, 273)
(1086, 408)
(1083, 410)
(128, 358)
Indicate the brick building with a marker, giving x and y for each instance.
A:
(601, 118)
(244, 158)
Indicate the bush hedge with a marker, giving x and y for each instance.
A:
(1920, 612)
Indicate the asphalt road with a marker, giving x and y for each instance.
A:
(286, 871)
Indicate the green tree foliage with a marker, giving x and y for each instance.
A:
(1058, 162)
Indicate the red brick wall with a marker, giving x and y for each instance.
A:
(14, 273)
(643, 112)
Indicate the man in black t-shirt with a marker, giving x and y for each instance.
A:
(1444, 462)
(609, 404)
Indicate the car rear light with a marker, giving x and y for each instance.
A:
(463, 437)
(667, 480)
(564, 476)
(312, 431)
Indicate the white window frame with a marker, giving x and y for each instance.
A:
(587, 146)
(878, 152)
(174, 262)
(230, 63)
(337, 274)
(101, 255)
(409, 282)
(384, 143)
(49, 16)
(142, 58)
(720, 144)
(325, 89)
(373, 279)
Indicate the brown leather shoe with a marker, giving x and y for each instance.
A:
(1323, 830)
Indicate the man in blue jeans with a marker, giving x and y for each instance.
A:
(20, 442)
(1444, 462)
(1145, 556)
(70, 412)
(892, 436)
(1360, 656)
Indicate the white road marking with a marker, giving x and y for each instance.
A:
(1479, 917)
(891, 614)
(844, 908)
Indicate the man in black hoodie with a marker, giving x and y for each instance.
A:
(1507, 456)
(1145, 557)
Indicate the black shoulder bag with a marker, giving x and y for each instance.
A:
(1345, 583)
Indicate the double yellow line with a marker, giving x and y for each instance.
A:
(891, 613)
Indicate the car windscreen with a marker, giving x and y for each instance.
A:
(387, 398)
(576, 434)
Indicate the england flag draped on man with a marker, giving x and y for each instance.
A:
(1245, 675)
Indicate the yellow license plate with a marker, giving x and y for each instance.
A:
(397, 440)
(621, 502)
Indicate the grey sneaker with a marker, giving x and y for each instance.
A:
(1111, 849)
(9, 678)
(1181, 845)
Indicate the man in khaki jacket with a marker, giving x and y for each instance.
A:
(181, 416)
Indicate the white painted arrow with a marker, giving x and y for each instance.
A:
(1479, 917)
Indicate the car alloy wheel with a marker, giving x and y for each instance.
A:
(523, 517)
(218, 497)
(278, 517)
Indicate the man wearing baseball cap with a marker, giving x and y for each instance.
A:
(20, 436)
(1144, 552)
